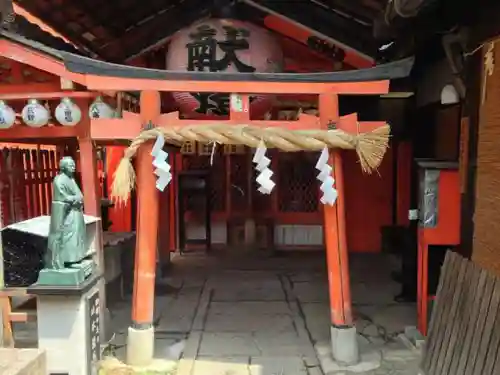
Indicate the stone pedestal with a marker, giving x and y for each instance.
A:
(140, 346)
(68, 326)
(345, 345)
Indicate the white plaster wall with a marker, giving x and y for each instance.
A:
(288, 235)
(298, 235)
(196, 231)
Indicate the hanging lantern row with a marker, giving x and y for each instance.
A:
(67, 113)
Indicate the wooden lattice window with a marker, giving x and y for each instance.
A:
(188, 148)
(217, 178)
(239, 175)
(205, 148)
(234, 149)
(297, 187)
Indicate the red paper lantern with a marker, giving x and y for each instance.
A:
(222, 45)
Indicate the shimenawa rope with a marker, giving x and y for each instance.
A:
(370, 146)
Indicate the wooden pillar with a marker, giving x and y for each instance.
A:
(173, 224)
(92, 198)
(164, 232)
(90, 177)
(344, 344)
(141, 334)
(240, 113)
(6, 335)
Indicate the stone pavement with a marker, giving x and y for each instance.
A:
(256, 315)
(270, 316)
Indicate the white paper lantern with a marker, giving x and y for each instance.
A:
(67, 113)
(7, 116)
(99, 109)
(34, 114)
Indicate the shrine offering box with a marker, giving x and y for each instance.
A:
(439, 208)
(439, 226)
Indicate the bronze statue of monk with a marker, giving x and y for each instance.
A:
(66, 242)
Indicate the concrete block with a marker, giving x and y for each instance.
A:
(369, 359)
(140, 346)
(22, 362)
(345, 345)
(64, 322)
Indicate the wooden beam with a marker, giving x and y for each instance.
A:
(309, 19)
(16, 73)
(49, 95)
(129, 127)
(169, 120)
(39, 60)
(357, 127)
(258, 87)
(14, 89)
(67, 84)
(305, 35)
(19, 317)
(20, 11)
(45, 132)
(156, 31)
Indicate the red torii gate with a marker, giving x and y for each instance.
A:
(99, 76)
(102, 76)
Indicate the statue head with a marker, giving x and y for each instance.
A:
(67, 165)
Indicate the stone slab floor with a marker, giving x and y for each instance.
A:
(260, 315)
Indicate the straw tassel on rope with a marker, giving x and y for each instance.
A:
(370, 147)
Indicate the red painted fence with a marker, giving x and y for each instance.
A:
(26, 175)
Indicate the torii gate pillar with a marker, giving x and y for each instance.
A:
(343, 332)
(140, 340)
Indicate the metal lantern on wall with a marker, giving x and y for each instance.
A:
(100, 109)
(67, 113)
(7, 115)
(34, 114)
(223, 45)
